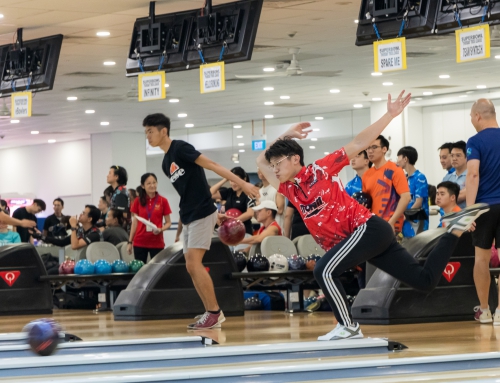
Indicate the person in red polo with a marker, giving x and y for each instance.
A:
(154, 208)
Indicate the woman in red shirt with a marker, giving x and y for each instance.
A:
(153, 208)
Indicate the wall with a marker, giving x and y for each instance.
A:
(48, 171)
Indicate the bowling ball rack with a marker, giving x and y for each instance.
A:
(103, 281)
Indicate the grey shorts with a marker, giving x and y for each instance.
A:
(198, 234)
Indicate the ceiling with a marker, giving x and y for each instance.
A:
(323, 29)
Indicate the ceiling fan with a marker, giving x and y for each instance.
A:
(293, 69)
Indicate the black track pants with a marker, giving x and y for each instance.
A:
(374, 241)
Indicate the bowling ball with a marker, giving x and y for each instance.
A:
(102, 267)
(119, 266)
(363, 199)
(135, 265)
(311, 261)
(240, 259)
(43, 336)
(296, 262)
(233, 213)
(258, 262)
(84, 267)
(278, 262)
(231, 231)
(253, 303)
(309, 301)
(67, 267)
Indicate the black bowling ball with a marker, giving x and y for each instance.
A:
(240, 259)
(253, 303)
(258, 262)
(363, 199)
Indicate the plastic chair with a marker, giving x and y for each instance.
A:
(306, 245)
(76, 254)
(124, 255)
(277, 245)
(102, 250)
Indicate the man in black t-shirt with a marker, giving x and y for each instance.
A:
(120, 199)
(184, 166)
(53, 226)
(28, 212)
(88, 232)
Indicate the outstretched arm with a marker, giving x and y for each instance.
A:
(300, 131)
(368, 135)
(249, 189)
(8, 220)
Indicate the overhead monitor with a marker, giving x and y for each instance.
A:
(174, 41)
(469, 12)
(419, 18)
(29, 64)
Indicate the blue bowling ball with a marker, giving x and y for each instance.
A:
(102, 267)
(43, 336)
(84, 267)
(119, 266)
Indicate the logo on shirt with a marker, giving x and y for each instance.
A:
(175, 172)
(469, 152)
(313, 208)
(10, 277)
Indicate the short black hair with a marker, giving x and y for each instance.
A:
(240, 172)
(285, 147)
(409, 152)
(384, 142)
(459, 145)
(4, 206)
(158, 120)
(94, 213)
(365, 154)
(60, 200)
(452, 187)
(121, 172)
(446, 145)
(40, 203)
(103, 198)
(118, 214)
(108, 192)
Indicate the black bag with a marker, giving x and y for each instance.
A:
(75, 301)
(51, 264)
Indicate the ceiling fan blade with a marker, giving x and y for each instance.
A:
(334, 73)
(254, 76)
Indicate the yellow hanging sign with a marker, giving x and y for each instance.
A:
(473, 43)
(20, 105)
(389, 55)
(152, 86)
(212, 77)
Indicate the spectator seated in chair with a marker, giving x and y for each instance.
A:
(265, 213)
(8, 237)
(114, 232)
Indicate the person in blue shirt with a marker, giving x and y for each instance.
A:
(360, 164)
(419, 189)
(483, 185)
(445, 159)
(459, 162)
(7, 236)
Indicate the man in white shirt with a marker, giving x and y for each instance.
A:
(269, 193)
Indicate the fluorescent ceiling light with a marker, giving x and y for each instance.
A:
(104, 123)
(189, 125)
(427, 93)
(334, 91)
(109, 63)
(356, 21)
(358, 105)
(103, 33)
(318, 118)
(376, 99)
(89, 111)
(316, 130)
(312, 147)
(268, 88)
(35, 132)
(72, 98)
(481, 87)
(14, 121)
(182, 115)
(444, 76)
(268, 69)
(268, 116)
(241, 150)
(166, 85)
(239, 136)
(314, 139)
(241, 144)
(236, 126)
(285, 97)
(376, 73)
(268, 103)
(173, 100)
(387, 83)
(51, 141)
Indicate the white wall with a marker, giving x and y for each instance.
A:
(47, 171)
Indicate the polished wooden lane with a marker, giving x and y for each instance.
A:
(277, 327)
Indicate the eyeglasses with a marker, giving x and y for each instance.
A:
(277, 164)
(373, 147)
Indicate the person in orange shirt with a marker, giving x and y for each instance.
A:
(387, 185)
(446, 198)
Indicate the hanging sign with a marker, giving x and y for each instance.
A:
(473, 43)
(152, 86)
(259, 142)
(212, 77)
(20, 105)
(390, 55)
